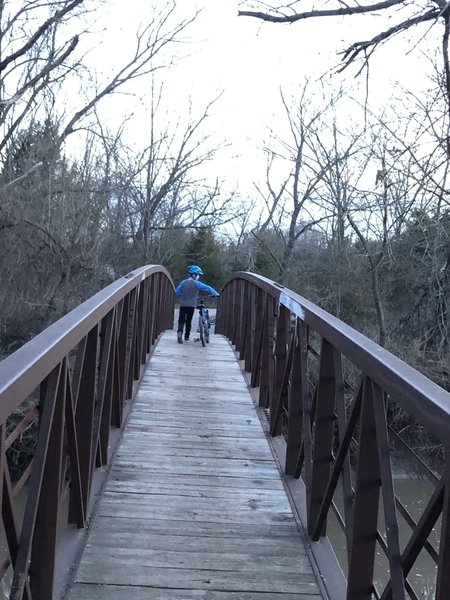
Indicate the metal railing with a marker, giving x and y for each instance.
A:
(66, 391)
(327, 390)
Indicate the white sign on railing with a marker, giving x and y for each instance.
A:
(292, 305)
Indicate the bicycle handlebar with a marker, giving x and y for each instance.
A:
(206, 297)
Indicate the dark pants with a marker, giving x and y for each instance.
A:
(185, 317)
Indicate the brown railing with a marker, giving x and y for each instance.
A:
(62, 396)
(350, 413)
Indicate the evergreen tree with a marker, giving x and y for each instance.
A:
(205, 250)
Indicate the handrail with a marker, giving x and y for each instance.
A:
(67, 388)
(298, 356)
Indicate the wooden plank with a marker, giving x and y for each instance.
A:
(194, 506)
(159, 452)
(236, 501)
(240, 432)
(219, 531)
(196, 422)
(238, 467)
(191, 437)
(259, 472)
(132, 484)
(264, 579)
(160, 479)
(110, 557)
(198, 510)
(111, 592)
(210, 445)
(198, 405)
(126, 536)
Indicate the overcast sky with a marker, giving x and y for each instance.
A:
(249, 61)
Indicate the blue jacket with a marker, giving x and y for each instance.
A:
(189, 289)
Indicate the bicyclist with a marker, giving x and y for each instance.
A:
(188, 291)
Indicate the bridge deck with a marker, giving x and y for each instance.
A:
(194, 506)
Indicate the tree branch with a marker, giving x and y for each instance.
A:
(355, 49)
(368, 46)
(43, 73)
(334, 12)
(38, 34)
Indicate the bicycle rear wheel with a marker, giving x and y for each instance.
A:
(201, 329)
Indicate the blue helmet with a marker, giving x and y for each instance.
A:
(194, 270)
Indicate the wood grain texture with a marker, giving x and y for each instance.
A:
(194, 507)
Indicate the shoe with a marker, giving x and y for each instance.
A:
(186, 338)
(180, 337)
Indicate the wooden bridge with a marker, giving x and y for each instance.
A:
(194, 501)
(214, 473)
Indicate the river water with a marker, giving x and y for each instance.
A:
(414, 494)
(19, 508)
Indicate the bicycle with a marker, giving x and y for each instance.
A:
(204, 322)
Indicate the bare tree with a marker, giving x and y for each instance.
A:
(37, 57)
(163, 189)
(293, 205)
(33, 55)
(402, 17)
(342, 158)
(420, 148)
(161, 30)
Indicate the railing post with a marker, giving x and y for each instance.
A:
(343, 424)
(279, 380)
(257, 336)
(420, 536)
(8, 513)
(102, 418)
(22, 564)
(131, 344)
(77, 509)
(121, 358)
(152, 315)
(365, 506)
(247, 320)
(232, 324)
(85, 391)
(443, 574)
(250, 330)
(339, 465)
(140, 328)
(323, 431)
(296, 390)
(267, 358)
(388, 495)
(43, 554)
(158, 300)
(167, 305)
(238, 311)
